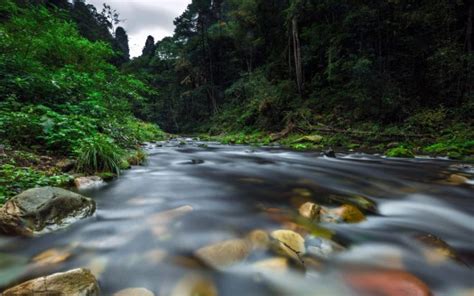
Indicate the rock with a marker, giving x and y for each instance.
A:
(387, 283)
(330, 153)
(321, 247)
(277, 264)
(66, 165)
(134, 292)
(457, 179)
(88, 182)
(224, 254)
(310, 210)
(437, 250)
(97, 266)
(163, 218)
(194, 285)
(77, 282)
(345, 213)
(290, 242)
(258, 239)
(47, 207)
(314, 139)
(51, 256)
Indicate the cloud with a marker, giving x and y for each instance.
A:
(145, 17)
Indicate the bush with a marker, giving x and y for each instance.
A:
(14, 180)
(98, 153)
(400, 151)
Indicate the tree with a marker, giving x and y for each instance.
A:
(121, 38)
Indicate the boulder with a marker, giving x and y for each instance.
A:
(77, 282)
(37, 209)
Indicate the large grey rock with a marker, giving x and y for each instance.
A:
(41, 209)
(76, 282)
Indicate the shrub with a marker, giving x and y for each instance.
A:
(98, 153)
(14, 180)
(138, 157)
(400, 151)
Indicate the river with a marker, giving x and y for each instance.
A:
(150, 222)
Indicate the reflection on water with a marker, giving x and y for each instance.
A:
(152, 221)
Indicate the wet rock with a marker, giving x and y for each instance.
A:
(321, 247)
(277, 264)
(134, 292)
(310, 210)
(258, 239)
(194, 285)
(41, 209)
(225, 254)
(345, 213)
(457, 179)
(437, 250)
(387, 283)
(51, 256)
(330, 153)
(88, 182)
(66, 165)
(290, 243)
(77, 282)
(359, 201)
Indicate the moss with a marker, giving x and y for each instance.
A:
(400, 151)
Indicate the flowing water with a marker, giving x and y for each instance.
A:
(150, 222)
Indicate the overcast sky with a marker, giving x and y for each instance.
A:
(145, 17)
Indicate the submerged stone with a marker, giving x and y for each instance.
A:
(77, 282)
(195, 285)
(290, 243)
(39, 209)
(346, 213)
(88, 182)
(224, 254)
(387, 283)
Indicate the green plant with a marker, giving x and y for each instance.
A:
(14, 180)
(137, 157)
(400, 151)
(98, 153)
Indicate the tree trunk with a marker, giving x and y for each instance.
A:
(297, 55)
(469, 26)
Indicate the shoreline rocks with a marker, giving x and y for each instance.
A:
(76, 282)
(42, 210)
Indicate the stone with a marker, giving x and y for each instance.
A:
(66, 165)
(310, 211)
(290, 243)
(457, 179)
(224, 254)
(258, 239)
(76, 282)
(387, 283)
(88, 182)
(276, 264)
(51, 256)
(437, 250)
(134, 292)
(330, 153)
(42, 209)
(195, 285)
(346, 213)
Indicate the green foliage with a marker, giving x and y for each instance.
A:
(14, 180)
(98, 153)
(400, 151)
(137, 157)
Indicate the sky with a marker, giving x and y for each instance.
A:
(145, 17)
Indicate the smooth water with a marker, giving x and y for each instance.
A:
(224, 192)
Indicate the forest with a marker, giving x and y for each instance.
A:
(266, 147)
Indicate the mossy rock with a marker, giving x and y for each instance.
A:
(400, 152)
(348, 213)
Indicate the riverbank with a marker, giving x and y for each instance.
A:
(455, 141)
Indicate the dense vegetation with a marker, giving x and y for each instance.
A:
(402, 69)
(62, 95)
(393, 76)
